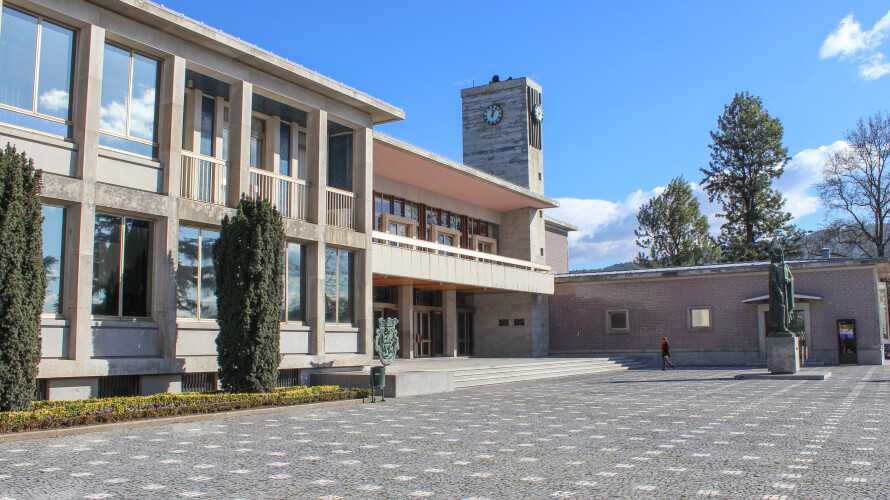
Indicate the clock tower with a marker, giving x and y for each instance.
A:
(502, 131)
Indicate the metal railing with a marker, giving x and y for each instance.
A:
(457, 252)
(203, 178)
(341, 208)
(286, 193)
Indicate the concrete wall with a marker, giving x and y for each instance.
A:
(502, 149)
(658, 308)
(491, 339)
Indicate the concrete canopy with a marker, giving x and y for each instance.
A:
(409, 164)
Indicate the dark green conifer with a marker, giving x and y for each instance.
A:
(22, 278)
(249, 262)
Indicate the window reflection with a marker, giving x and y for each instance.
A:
(129, 101)
(121, 262)
(293, 310)
(53, 250)
(338, 286)
(32, 96)
(195, 276)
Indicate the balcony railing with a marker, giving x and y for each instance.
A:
(286, 193)
(341, 208)
(428, 246)
(203, 178)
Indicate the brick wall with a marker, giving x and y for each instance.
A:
(556, 250)
(657, 308)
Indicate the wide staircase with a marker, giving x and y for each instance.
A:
(540, 369)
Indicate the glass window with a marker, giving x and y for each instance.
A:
(293, 283)
(225, 137)
(195, 277)
(699, 317)
(208, 112)
(284, 149)
(338, 286)
(257, 140)
(340, 161)
(301, 155)
(36, 59)
(617, 321)
(129, 101)
(53, 250)
(121, 261)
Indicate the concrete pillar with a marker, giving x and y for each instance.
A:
(87, 87)
(449, 320)
(363, 187)
(219, 125)
(406, 320)
(193, 102)
(241, 108)
(316, 171)
(171, 103)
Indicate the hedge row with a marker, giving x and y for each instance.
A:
(56, 414)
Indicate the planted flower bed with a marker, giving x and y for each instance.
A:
(55, 414)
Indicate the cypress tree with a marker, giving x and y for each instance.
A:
(22, 278)
(248, 259)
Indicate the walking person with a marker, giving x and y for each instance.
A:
(666, 354)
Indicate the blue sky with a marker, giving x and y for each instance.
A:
(631, 89)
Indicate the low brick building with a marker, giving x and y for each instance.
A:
(714, 315)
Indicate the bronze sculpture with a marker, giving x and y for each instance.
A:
(781, 295)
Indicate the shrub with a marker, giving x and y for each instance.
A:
(55, 414)
(248, 259)
(22, 278)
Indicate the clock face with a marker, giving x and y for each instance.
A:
(538, 113)
(493, 114)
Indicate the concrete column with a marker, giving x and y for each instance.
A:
(317, 165)
(87, 87)
(316, 171)
(171, 103)
(241, 108)
(191, 119)
(449, 320)
(362, 296)
(363, 179)
(363, 187)
(406, 320)
(165, 240)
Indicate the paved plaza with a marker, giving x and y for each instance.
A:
(642, 433)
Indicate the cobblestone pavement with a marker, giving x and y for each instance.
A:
(683, 433)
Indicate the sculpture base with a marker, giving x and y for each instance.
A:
(782, 354)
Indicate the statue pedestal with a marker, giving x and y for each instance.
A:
(783, 354)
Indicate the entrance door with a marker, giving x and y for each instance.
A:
(436, 333)
(422, 334)
(465, 334)
(846, 341)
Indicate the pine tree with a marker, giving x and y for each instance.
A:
(746, 156)
(22, 278)
(248, 260)
(674, 230)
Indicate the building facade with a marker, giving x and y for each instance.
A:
(149, 127)
(715, 315)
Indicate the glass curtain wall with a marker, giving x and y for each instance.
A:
(195, 276)
(36, 61)
(121, 262)
(338, 285)
(53, 251)
(128, 112)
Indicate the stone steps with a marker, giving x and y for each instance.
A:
(478, 376)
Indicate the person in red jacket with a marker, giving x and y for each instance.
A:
(666, 354)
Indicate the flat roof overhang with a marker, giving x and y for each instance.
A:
(403, 162)
(178, 24)
(381, 280)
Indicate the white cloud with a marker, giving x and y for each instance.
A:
(848, 42)
(54, 100)
(606, 228)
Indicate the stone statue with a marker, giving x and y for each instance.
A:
(387, 341)
(781, 295)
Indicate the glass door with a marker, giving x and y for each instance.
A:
(846, 341)
(422, 334)
(465, 334)
(436, 334)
